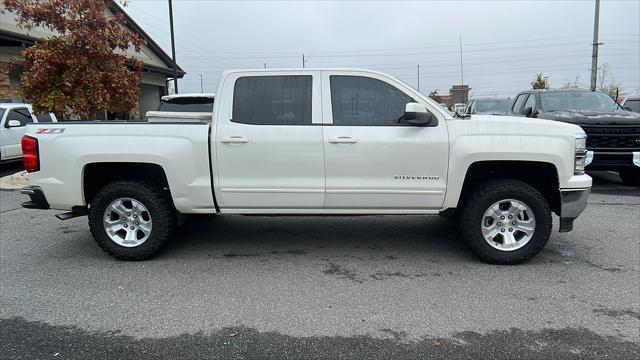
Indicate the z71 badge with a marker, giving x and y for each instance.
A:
(50, 131)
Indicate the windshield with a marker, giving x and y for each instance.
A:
(493, 105)
(194, 104)
(577, 101)
(1, 113)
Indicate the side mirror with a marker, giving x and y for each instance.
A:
(13, 123)
(528, 111)
(418, 115)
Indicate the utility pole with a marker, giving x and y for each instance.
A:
(201, 87)
(461, 68)
(173, 50)
(594, 55)
(265, 65)
(418, 78)
(303, 61)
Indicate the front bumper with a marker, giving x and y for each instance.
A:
(572, 204)
(38, 200)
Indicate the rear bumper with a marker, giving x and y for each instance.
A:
(572, 204)
(37, 198)
(604, 161)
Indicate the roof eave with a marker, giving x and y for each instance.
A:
(150, 42)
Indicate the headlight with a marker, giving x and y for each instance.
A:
(580, 154)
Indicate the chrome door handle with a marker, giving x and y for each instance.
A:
(343, 140)
(235, 140)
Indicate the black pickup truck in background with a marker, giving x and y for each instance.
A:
(613, 134)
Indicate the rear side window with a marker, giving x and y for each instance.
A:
(363, 101)
(633, 105)
(21, 115)
(517, 106)
(44, 118)
(273, 100)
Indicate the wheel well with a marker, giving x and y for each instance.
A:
(542, 176)
(98, 175)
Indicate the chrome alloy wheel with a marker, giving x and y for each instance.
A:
(508, 225)
(127, 222)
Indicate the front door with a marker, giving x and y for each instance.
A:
(373, 159)
(269, 147)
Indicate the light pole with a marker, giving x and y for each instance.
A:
(201, 87)
(173, 50)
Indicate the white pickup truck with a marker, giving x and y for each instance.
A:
(314, 142)
(14, 118)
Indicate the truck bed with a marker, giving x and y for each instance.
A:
(68, 148)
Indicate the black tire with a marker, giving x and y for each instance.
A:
(154, 198)
(630, 176)
(490, 192)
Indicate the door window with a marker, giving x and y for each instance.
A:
(21, 115)
(363, 101)
(273, 100)
(531, 102)
(517, 106)
(632, 105)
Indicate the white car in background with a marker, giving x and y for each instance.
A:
(14, 118)
(183, 108)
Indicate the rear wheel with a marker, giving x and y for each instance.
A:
(506, 221)
(131, 220)
(630, 176)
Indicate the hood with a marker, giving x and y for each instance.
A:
(618, 117)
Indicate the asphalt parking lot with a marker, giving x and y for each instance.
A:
(388, 287)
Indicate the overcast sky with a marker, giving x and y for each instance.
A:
(504, 43)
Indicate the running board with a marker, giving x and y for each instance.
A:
(75, 212)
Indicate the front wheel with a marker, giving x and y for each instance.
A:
(630, 176)
(506, 221)
(131, 220)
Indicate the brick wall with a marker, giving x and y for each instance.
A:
(6, 91)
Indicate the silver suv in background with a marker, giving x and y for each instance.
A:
(484, 106)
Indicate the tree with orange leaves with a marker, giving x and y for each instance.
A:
(83, 68)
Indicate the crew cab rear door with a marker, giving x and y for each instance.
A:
(269, 145)
(373, 159)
